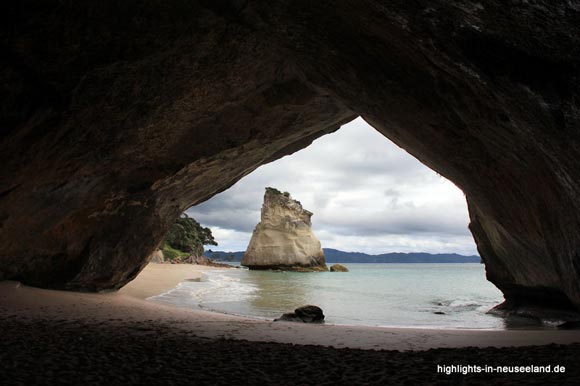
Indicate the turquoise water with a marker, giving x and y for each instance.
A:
(402, 295)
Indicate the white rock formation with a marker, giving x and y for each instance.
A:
(283, 239)
(157, 257)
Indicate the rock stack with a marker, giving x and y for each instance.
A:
(283, 239)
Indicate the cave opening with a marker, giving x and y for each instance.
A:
(118, 117)
(366, 193)
(118, 138)
(371, 201)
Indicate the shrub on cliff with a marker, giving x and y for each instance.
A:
(186, 237)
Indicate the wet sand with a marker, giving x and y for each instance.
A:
(55, 337)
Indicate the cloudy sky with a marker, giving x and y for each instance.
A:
(367, 195)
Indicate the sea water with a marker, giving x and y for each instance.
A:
(394, 295)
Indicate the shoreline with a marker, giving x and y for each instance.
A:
(197, 275)
(157, 279)
(65, 338)
(18, 302)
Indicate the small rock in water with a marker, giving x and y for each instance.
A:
(439, 313)
(304, 314)
(310, 314)
(289, 317)
(338, 268)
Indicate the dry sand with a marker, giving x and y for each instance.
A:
(51, 320)
(156, 279)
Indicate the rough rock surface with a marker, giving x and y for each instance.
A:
(157, 257)
(338, 268)
(283, 239)
(115, 117)
(203, 260)
(304, 314)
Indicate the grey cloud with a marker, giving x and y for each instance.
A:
(412, 221)
(392, 192)
(237, 219)
(361, 187)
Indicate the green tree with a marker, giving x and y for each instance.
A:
(186, 236)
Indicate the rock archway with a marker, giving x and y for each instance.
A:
(117, 117)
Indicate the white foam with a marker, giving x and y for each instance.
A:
(464, 303)
(223, 288)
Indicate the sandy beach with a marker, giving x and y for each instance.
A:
(49, 326)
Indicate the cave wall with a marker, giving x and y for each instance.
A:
(115, 118)
(118, 118)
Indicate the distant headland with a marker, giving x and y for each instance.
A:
(338, 256)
